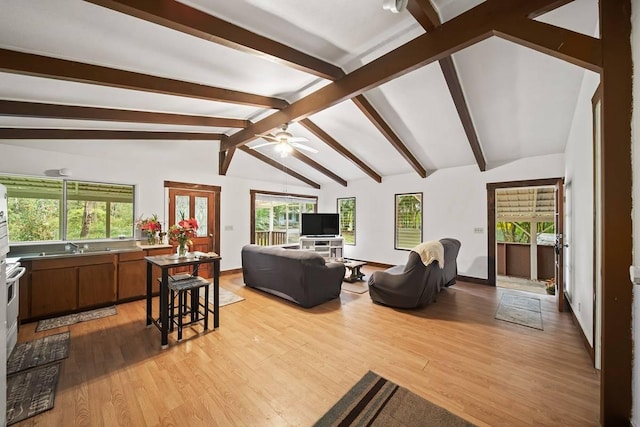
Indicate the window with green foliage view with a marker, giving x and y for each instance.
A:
(408, 217)
(347, 211)
(39, 210)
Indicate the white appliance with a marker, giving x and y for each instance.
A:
(14, 273)
(4, 250)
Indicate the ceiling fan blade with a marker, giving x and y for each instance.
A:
(263, 145)
(267, 137)
(298, 139)
(304, 147)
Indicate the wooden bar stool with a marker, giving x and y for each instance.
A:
(187, 288)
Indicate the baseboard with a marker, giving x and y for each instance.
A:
(585, 341)
(232, 271)
(475, 280)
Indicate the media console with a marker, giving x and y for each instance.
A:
(326, 246)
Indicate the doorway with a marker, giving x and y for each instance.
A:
(519, 210)
(201, 202)
(525, 237)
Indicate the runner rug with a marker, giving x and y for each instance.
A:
(520, 310)
(357, 287)
(27, 355)
(70, 319)
(376, 401)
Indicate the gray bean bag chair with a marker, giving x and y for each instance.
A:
(412, 285)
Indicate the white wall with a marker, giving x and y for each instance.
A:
(455, 203)
(147, 164)
(579, 206)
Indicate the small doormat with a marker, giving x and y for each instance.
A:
(357, 287)
(376, 401)
(520, 310)
(31, 392)
(226, 297)
(70, 319)
(27, 355)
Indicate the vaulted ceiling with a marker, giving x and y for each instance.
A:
(442, 84)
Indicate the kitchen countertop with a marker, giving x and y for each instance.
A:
(102, 249)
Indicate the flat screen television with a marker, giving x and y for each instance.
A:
(320, 224)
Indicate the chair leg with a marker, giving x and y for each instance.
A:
(206, 308)
(180, 313)
(172, 309)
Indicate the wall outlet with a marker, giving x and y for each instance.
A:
(478, 230)
(228, 228)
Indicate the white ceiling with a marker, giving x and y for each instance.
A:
(522, 102)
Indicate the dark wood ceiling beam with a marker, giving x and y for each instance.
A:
(365, 106)
(575, 48)
(317, 166)
(426, 15)
(53, 68)
(72, 112)
(180, 17)
(327, 139)
(225, 157)
(465, 30)
(455, 88)
(424, 12)
(279, 166)
(93, 134)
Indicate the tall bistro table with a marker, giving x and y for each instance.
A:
(165, 262)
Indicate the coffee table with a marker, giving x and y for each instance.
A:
(353, 268)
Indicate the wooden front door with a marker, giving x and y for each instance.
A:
(200, 204)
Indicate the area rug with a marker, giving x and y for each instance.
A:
(520, 310)
(376, 401)
(27, 355)
(226, 297)
(31, 392)
(70, 319)
(357, 287)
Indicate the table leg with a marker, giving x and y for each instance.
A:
(149, 296)
(216, 294)
(164, 308)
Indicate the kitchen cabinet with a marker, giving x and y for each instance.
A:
(70, 284)
(53, 291)
(132, 275)
(156, 273)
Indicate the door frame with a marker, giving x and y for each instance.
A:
(216, 190)
(491, 224)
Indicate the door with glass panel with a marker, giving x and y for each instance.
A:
(185, 204)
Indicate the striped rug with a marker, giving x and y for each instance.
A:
(376, 401)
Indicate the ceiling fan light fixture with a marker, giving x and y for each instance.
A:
(395, 6)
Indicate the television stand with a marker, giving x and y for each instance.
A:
(326, 246)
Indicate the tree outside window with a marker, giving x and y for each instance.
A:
(347, 211)
(408, 220)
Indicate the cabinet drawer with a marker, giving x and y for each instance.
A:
(131, 256)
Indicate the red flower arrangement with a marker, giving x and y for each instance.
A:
(182, 232)
(151, 225)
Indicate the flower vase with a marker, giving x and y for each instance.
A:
(151, 238)
(182, 250)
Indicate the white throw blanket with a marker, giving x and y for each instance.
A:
(430, 251)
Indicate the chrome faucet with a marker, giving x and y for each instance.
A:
(69, 245)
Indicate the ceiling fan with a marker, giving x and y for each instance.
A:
(284, 142)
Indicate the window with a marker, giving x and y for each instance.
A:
(44, 209)
(347, 211)
(408, 220)
(276, 217)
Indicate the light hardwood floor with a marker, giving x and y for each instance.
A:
(273, 363)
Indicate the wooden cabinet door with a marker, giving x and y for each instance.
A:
(156, 272)
(96, 285)
(132, 279)
(54, 291)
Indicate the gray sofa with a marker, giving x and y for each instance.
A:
(299, 276)
(414, 284)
